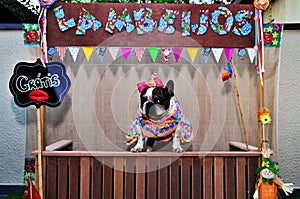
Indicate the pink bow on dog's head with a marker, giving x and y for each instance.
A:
(153, 82)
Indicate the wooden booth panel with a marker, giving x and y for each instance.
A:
(222, 175)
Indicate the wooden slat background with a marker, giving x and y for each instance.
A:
(135, 176)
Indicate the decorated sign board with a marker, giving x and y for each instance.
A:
(89, 24)
(36, 84)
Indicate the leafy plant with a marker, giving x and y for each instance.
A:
(13, 196)
(14, 12)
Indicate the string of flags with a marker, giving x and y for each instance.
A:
(139, 52)
(272, 39)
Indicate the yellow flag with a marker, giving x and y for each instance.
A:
(88, 52)
(193, 52)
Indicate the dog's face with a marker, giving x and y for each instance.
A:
(155, 102)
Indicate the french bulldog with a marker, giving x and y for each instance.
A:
(158, 118)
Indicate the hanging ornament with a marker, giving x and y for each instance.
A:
(51, 51)
(227, 73)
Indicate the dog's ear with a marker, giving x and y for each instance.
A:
(170, 87)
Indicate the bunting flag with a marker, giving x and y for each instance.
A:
(177, 53)
(88, 52)
(126, 52)
(61, 52)
(166, 52)
(205, 53)
(252, 54)
(139, 53)
(241, 53)
(113, 51)
(192, 52)
(229, 52)
(153, 53)
(100, 53)
(74, 52)
(51, 51)
(217, 53)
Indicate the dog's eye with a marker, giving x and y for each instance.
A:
(158, 101)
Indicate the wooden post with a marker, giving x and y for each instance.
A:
(261, 77)
(239, 105)
(41, 145)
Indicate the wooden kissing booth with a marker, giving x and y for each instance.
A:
(87, 156)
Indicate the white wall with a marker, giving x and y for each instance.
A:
(12, 118)
(289, 108)
(285, 11)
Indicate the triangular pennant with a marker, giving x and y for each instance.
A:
(177, 53)
(113, 51)
(229, 52)
(192, 52)
(74, 52)
(217, 53)
(251, 53)
(241, 53)
(205, 53)
(100, 52)
(153, 53)
(139, 53)
(88, 52)
(126, 52)
(61, 52)
(166, 52)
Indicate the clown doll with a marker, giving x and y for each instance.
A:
(268, 181)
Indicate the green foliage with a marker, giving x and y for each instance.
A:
(13, 196)
(14, 12)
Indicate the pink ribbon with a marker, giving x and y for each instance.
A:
(154, 82)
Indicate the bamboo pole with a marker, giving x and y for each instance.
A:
(262, 135)
(239, 105)
(41, 146)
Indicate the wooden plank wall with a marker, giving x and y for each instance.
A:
(150, 177)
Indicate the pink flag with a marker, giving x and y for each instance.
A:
(139, 53)
(126, 52)
(177, 52)
(62, 52)
(229, 52)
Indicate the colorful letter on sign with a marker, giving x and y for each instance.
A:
(63, 23)
(86, 21)
(34, 84)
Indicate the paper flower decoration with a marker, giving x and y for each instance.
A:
(46, 3)
(261, 4)
(264, 116)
